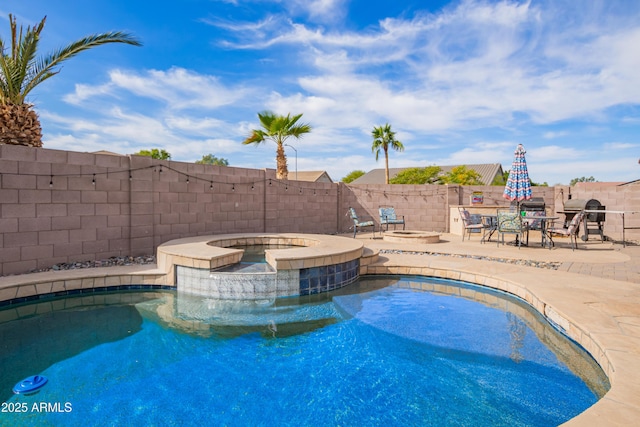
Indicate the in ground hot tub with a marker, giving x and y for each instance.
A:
(298, 264)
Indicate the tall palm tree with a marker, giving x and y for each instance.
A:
(21, 71)
(383, 138)
(278, 129)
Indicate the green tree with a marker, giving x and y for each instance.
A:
(428, 175)
(352, 176)
(21, 71)
(383, 138)
(500, 179)
(154, 153)
(210, 159)
(462, 175)
(574, 181)
(278, 129)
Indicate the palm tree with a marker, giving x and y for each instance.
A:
(21, 71)
(278, 129)
(383, 138)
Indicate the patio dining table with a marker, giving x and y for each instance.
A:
(546, 240)
(490, 222)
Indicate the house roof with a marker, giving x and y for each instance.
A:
(486, 171)
(310, 176)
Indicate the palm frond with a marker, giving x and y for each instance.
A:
(44, 67)
(256, 137)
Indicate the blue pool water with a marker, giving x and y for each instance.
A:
(375, 353)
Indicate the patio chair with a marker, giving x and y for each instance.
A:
(510, 222)
(532, 222)
(388, 216)
(360, 224)
(471, 223)
(571, 230)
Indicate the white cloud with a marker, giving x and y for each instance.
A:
(319, 10)
(470, 66)
(620, 145)
(501, 67)
(554, 135)
(177, 88)
(553, 153)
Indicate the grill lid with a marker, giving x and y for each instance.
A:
(580, 204)
(533, 204)
(575, 204)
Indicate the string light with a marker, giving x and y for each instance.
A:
(188, 178)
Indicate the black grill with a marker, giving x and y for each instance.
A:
(534, 204)
(593, 222)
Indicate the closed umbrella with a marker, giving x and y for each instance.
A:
(518, 186)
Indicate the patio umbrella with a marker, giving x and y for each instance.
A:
(518, 186)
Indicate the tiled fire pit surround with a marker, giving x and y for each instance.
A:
(411, 236)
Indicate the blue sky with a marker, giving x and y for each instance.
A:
(460, 82)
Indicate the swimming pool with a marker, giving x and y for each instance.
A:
(382, 351)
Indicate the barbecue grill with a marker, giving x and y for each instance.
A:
(534, 204)
(593, 222)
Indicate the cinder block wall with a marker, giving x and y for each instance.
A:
(64, 206)
(615, 198)
(424, 207)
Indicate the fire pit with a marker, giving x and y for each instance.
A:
(411, 236)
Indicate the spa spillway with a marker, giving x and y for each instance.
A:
(298, 264)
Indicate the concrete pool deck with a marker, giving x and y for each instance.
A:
(594, 295)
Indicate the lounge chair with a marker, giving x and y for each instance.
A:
(360, 224)
(388, 216)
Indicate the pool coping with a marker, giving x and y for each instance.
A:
(602, 315)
